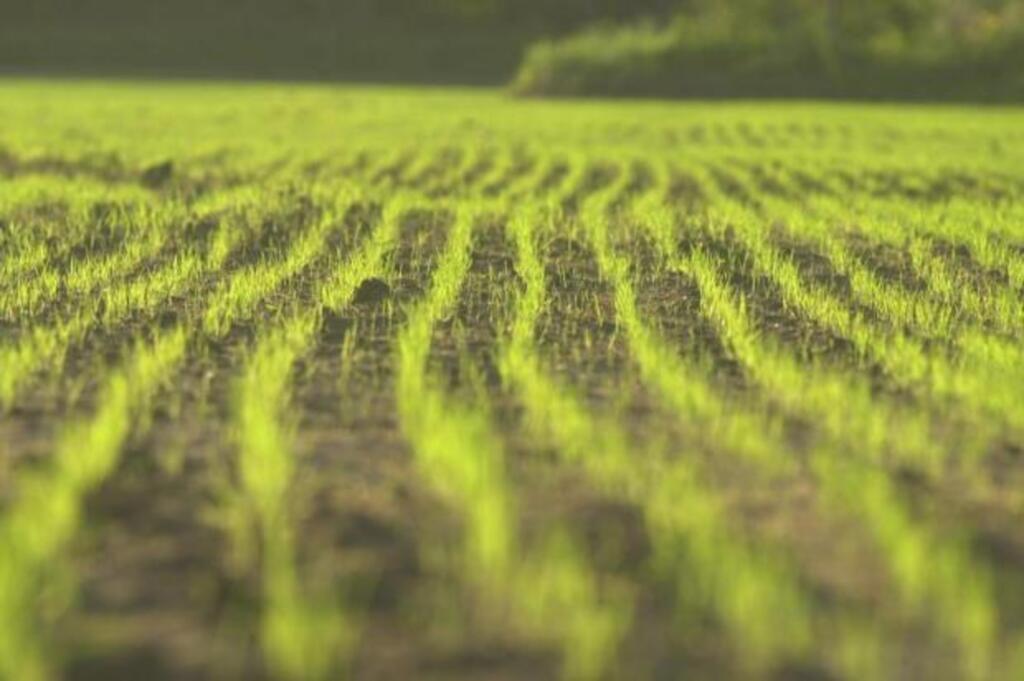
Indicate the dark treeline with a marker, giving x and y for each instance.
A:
(939, 49)
(967, 50)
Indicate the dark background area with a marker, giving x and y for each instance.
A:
(963, 50)
(437, 41)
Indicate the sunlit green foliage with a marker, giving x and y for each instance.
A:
(874, 49)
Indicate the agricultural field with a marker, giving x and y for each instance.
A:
(315, 382)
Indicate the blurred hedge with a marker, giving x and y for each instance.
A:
(969, 50)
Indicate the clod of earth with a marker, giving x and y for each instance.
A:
(371, 292)
(157, 175)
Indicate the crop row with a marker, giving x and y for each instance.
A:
(921, 380)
